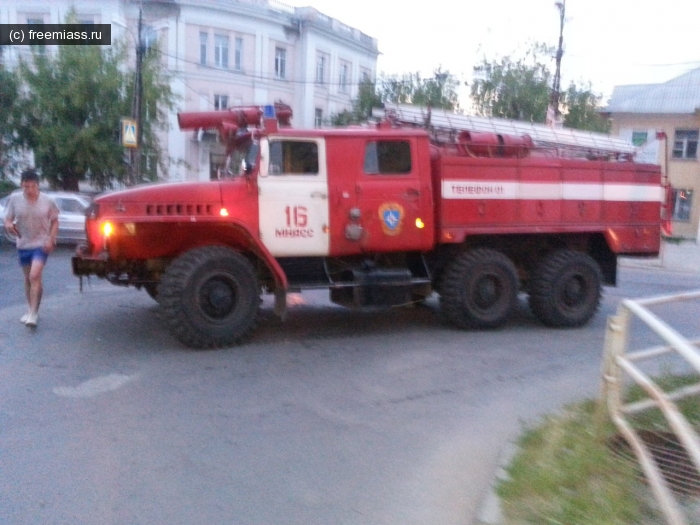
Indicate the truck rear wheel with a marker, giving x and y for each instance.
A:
(479, 289)
(210, 297)
(566, 288)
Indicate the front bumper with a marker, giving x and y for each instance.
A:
(84, 265)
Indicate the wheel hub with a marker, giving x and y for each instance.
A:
(487, 291)
(217, 297)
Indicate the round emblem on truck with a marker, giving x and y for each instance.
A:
(391, 216)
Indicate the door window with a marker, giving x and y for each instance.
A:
(293, 158)
(388, 157)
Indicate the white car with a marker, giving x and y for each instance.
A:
(71, 217)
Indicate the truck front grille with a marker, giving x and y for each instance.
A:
(179, 209)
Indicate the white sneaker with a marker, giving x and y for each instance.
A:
(24, 318)
(31, 320)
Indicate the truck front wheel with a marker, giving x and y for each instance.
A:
(565, 289)
(210, 297)
(479, 289)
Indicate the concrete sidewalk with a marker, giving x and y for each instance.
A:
(683, 256)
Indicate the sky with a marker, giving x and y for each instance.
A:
(606, 42)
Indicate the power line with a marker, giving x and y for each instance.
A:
(256, 76)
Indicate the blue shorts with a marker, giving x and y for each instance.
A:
(26, 257)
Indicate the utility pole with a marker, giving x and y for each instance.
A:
(556, 86)
(138, 105)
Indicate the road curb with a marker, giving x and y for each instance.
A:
(490, 510)
(681, 257)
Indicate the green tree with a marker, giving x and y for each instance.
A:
(519, 89)
(367, 99)
(8, 101)
(438, 91)
(71, 110)
(582, 109)
(511, 88)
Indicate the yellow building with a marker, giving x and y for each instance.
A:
(640, 112)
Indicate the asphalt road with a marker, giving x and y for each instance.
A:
(334, 417)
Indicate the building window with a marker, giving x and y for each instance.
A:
(320, 69)
(217, 165)
(238, 54)
(37, 21)
(220, 101)
(685, 144)
(682, 203)
(365, 74)
(639, 138)
(343, 77)
(318, 118)
(221, 51)
(203, 39)
(280, 62)
(388, 157)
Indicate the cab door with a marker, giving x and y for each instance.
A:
(293, 196)
(394, 196)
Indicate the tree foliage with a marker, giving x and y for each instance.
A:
(582, 109)
(438, 91)
(519, 89)
(71, 108)
(512, 88)
(367, 98)
(9, 92)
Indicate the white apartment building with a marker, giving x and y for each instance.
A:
(224, 53)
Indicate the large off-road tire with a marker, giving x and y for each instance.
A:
(565, 289)
(210, 297)
(479, 289)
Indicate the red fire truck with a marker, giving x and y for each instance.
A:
(381, 215)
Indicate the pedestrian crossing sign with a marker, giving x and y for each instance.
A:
(129, 133)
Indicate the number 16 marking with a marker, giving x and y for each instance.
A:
(296, 216)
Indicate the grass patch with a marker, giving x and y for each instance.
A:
(565, 472)
(653, 418)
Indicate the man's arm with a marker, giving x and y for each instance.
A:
(10, 219)
(53, 232)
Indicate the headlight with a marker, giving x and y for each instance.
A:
(107, 229)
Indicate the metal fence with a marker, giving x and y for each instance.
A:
(619, 364)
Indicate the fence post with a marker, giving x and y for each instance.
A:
(615, 343)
